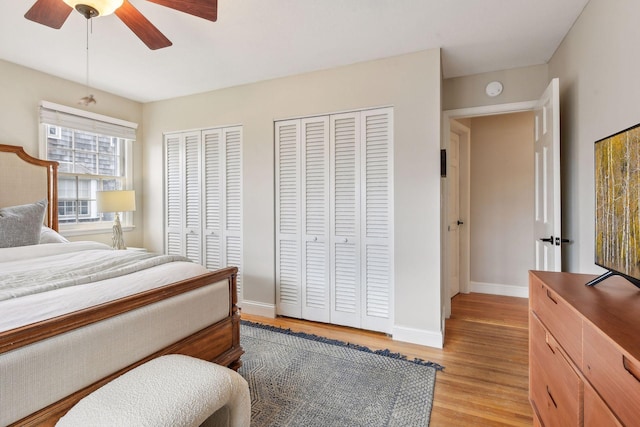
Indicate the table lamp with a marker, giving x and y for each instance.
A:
(116, 201)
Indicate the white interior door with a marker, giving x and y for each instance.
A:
(288, 222)
(345, 220)
(212, 189)
(376, 219)
(192, 197)
(174, 168)
(453, 227)
(232, 191)
(222, 203)
(334, 219)
(547, 227)
(315, 219)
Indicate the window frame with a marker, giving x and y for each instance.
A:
(101, 226)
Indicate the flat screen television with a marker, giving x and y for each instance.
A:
(617, 200)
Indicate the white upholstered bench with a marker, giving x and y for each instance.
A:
(172, 390)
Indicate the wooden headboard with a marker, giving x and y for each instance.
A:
(25, 179)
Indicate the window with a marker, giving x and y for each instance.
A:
(88, 163)
(94, 155)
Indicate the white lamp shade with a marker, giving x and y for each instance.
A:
(116, 201)
(104, 7)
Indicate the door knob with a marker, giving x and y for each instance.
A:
(555, 240)
(460, 222)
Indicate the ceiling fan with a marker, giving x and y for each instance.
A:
(53, 13)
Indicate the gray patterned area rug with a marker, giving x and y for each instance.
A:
(304, 380)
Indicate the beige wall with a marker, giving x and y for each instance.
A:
(597, 64)
(410, 83)
(501, 222)
(520, 84)
(22, 89)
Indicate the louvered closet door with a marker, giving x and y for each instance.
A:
(334, 219)
(288, 221)
(174, 244)
(192, 197)
(212, 189)
(315, 219)
(232, 179)
(377, 219)
(345, 220)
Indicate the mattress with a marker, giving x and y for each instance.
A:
(32, 308)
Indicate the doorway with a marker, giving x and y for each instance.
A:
(486, 202)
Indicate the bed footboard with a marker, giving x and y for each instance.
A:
(218, 342)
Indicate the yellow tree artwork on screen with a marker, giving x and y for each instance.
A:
(617, 174)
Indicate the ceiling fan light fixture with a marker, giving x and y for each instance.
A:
(92, 8)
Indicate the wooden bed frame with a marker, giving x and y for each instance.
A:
(35, 178)
(219, 343)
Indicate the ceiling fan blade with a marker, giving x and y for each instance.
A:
(51, 13)
(142, 27)
(207, 9)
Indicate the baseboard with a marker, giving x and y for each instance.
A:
(498, 289)
(400, 333)
(418, 336)
(258, 308)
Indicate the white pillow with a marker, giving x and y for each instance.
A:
(47, 235)
(20, 225)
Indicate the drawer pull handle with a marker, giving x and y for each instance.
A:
(551, 397)
(550, 347)
(547, 340)
(629, 367)
(551, 297)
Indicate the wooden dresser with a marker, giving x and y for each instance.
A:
(584, 351)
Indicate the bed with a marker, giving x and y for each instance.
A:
(58, 345)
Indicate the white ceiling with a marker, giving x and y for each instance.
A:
(255, 40)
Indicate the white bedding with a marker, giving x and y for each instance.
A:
(28, 309)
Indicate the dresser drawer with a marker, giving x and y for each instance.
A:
(536, 415)
(614, 373)
(559, 318)
(596, 412)
(556, 388)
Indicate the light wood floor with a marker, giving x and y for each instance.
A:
(485, 355)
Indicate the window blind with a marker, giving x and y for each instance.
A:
(61, 115)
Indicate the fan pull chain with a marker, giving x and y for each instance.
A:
(87, 57)
(88, 99)
(89, 30)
